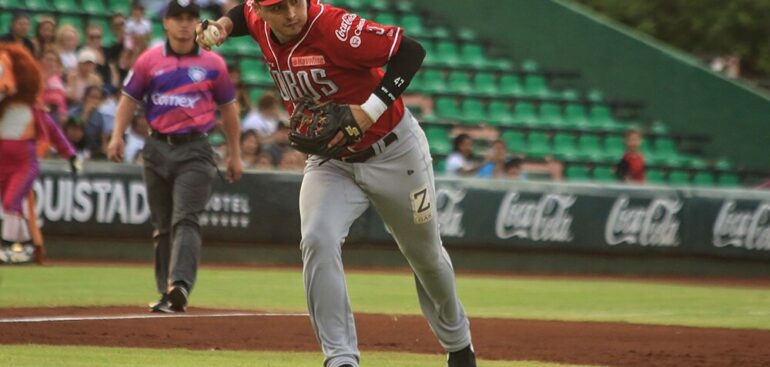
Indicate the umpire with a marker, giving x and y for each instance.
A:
(180, 86)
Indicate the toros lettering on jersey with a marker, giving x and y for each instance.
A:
(294, 85)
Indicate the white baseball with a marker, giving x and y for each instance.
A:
(210, 36)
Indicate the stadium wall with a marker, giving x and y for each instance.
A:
(109, 201)
(675, 86)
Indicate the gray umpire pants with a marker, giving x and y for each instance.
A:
(178, 179)
(399, 184)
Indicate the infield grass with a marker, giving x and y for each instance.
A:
(392, 293)
(36, 356)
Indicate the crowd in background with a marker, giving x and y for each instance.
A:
(83, 79)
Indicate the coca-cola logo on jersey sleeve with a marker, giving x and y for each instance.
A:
(749, 229)
(655, 224)
(345, 24)
(547, 219)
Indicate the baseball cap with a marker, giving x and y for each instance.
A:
(87, 55)
(178, 7)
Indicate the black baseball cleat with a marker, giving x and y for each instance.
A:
(177, 297)
(462, 358)
(162, 306)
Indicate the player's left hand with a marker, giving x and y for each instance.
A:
(234, 169)
(362, 119)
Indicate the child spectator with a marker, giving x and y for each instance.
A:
(54, 96)
(266, 118)
(494, 165)
(136, 136)
(137, 26)
(513, 169)
(460, 161)
(250, 149)
(631, 166)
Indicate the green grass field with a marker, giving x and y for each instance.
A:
(372, 292)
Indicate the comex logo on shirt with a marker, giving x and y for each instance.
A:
(160, 99)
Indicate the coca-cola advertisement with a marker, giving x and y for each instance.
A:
(745, 227)
(647, 223)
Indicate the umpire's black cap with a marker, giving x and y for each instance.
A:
(178, 7)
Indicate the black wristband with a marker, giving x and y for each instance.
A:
(239, 21)
(401, 69)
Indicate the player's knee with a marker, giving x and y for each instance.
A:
(319, 245)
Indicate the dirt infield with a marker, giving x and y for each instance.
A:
(610, 344)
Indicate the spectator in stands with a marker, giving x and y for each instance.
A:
(514, 170)
(241, 92)
(20, 24)
(137, 133)
(138, 45)
(88, 116)
(83, 76)
(67, 41)
(292, 160)
(250, 148)
(460, 161)
(113, 51)
(109, 106)
(264, 162)
(54, 94)
(494, 164)
(631, 166)
(267, 116)
(76, 134)
(94, 36)
(45, 35)
(137, 26)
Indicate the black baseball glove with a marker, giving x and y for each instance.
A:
(313, 126)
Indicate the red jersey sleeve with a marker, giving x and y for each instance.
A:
(358, 43)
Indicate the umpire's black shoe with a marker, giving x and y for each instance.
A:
(462, 358)
(162, 306)
(177, 297)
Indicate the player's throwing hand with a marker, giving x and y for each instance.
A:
(210, 33)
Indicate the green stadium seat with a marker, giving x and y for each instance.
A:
(499, 113)
(679, 178)
(655, 176)
(473, 112)
(459, 82)
(5, 20)
(439, 166)
(472, 54)
(588, 148)
(467, 35)
(514, 140)
(65, 6)
(447, 108)
(728, 180)
(158, 32)
(536, 86)
(438, 140)
(665, 146)
(72, 20)
(550, 114)
(530, 66)
(245, 46)
(375, 4)
(446, 53)
(615, 145)
(601, 116)
(658, 127)
(440, 33)
(412, 25)
(595, 96)
(433, 81)
(510, 85)
(524, 113)
(404, 6)
(484, 83)
(723, 164)
(36, 5)
(603, 174)
(119, 6)
(575, 114)
(385, 18)
(570, 95)
(576, 172)
(538, 144)
(255, 93)
(9, 4)
(703, 179)
(564, 146)
(254, 72)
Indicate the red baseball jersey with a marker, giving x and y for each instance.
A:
(338, 56)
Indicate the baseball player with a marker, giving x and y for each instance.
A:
(319, 51)
(23, 124)
(180, 86)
